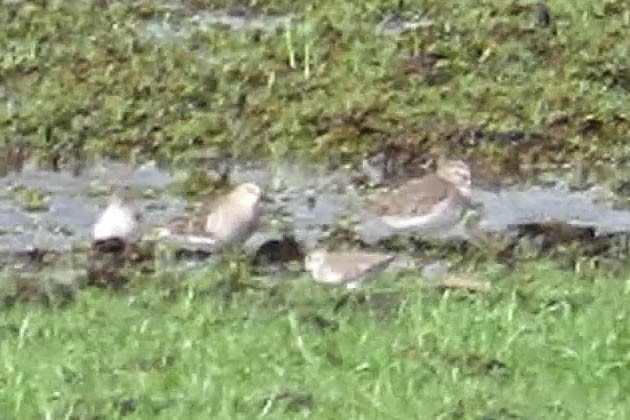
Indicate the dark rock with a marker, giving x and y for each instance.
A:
(542, 15)
(109, 245)
(279, 251)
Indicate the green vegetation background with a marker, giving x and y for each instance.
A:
(82, 78)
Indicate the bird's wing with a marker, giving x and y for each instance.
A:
(218, 214)
(355, 264)
(188, 224)
(417, 196)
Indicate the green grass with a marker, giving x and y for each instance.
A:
(541, 344)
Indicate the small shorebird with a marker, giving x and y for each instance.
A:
(350, 268)
(231, 220)
(117, 226)
(433, 202)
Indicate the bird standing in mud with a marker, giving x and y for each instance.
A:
(433, 202)
(118, 226)
(231, 220)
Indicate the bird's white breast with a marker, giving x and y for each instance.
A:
(116, 222)
(441, 213)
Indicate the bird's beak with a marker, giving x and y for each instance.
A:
(266, 199)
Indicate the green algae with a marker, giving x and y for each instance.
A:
(32, 199)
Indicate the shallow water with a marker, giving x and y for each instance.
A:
(176, 22)
(393, 24)
(74, 202)
(538, 204)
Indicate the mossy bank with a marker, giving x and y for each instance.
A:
(497, 82)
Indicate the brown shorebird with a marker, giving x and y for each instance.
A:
(231, 220)
(433, 202)
(350, 268)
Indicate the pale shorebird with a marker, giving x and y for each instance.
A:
(231, 220)
(349, 268)
(117, 226)
(433, 202)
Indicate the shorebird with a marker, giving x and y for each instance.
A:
(433, 202)
(117, 226)
(350, 268)
(231, 220)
